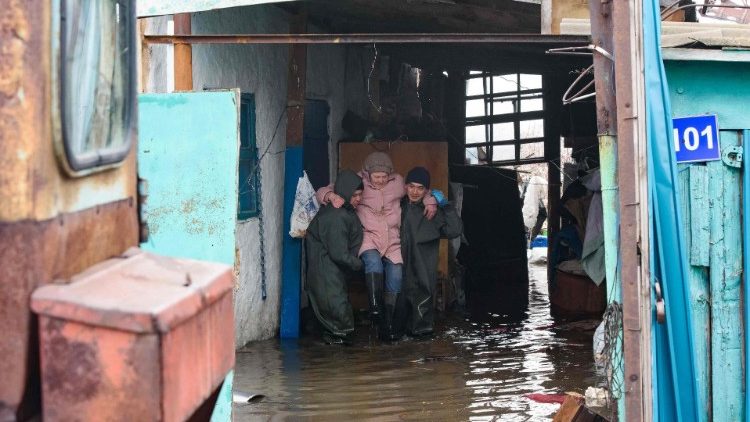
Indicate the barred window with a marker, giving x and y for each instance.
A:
(504, 118)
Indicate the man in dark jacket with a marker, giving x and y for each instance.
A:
(420, 242)
(333, 241)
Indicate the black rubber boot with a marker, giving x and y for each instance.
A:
(330, 338)
(374, 283)
(392, 328)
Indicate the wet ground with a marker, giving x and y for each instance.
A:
(469, 371)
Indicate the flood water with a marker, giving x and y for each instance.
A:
(469, 371)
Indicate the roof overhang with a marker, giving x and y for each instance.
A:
(146, 8)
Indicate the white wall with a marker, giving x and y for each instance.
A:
(335, 73)
(261, 70)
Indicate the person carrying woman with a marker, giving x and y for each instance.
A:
(333, 241)
(380, 214)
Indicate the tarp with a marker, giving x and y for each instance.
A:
(674, 356)
(145, 8)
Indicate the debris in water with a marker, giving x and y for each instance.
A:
(596, 397)
(574, 410)
(546, 398)
(434, 359)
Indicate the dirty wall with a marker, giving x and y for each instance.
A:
(335, 73)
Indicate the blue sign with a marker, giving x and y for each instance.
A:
(696, 138)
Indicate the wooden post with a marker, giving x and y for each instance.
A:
(292, 248)
(454, 114)
(552, 89)
(296, 84)
(183, 55)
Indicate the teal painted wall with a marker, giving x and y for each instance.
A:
(188, 150)
(710, 199)
(721, 88)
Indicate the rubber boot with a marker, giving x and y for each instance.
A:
(332, 339)
(374, 283)
(392, 328)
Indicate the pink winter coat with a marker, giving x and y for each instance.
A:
(380, 214)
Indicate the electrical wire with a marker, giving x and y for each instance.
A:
(251, 175)
(372, 70)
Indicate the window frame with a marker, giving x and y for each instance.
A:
(489, 118)
(82, 164)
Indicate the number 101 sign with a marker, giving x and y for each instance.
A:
(696, 138)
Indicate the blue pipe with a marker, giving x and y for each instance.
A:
(291, 265)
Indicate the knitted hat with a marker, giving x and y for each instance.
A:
(419, 175)
(378, 162)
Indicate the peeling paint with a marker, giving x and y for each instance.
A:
(191, 168)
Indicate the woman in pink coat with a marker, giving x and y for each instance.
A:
(380, 214)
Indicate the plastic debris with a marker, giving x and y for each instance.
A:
(596, 397)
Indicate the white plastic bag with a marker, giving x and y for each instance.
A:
(305, 207)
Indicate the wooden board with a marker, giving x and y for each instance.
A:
(694, 201)
(725, 277)
(405, 155)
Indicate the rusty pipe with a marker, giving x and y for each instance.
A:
(427, 38)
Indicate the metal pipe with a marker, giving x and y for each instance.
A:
(427, 38)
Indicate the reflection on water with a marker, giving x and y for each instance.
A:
(478, 371)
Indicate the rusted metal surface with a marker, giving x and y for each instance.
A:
(426, 38)
(35, 253)
(296, 85)
(141, 337)
(183, 55)
(604, 78)
(31, 184)
(630, 108)
(75, 378)
(23, 38)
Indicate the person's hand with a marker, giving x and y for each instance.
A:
(335, 200)
(440, 198)
(430, 211)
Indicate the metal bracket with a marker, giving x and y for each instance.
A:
(732, 156)
(142, 222)
(576, 51)
(661, 310)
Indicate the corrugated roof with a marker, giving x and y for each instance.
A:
(682, 34)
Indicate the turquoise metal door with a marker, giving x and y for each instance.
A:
(188, 152)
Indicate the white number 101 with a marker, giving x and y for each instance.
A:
(691, 139)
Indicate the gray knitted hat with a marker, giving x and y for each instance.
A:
(378, 162)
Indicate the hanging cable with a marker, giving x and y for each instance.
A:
(372, 70)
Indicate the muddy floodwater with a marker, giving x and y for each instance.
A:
(471, 371)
